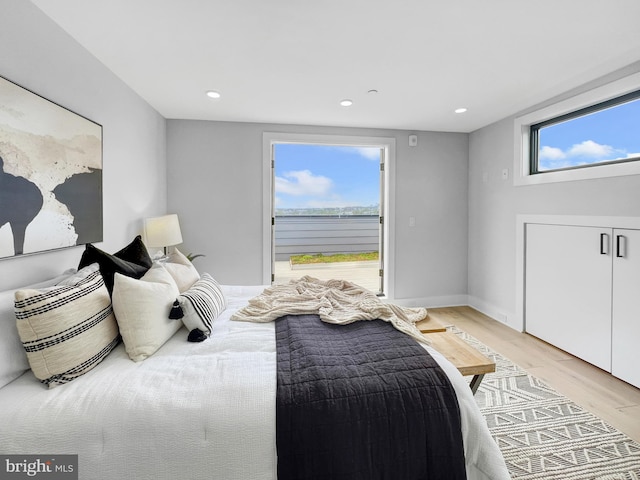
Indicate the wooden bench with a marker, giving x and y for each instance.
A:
(431, 324)
(463, 356)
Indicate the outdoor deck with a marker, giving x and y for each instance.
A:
(364, 274)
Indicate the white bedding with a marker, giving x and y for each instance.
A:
(192, 410)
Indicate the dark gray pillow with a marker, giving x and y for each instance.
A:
(132, 261)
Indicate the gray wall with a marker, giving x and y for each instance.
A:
(215, 181)
(494, 204)
(36, 54)
(215, 185)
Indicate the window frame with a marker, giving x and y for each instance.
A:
(534, 133)
(572, 107)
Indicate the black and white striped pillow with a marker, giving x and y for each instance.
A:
(66, 330)
(202, 304)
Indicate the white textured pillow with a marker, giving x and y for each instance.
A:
(182, 270)
(66, 330)
(142, 309)
(202, 304)
(13, 359)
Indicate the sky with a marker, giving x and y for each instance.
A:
(320, 176)
(601, 136)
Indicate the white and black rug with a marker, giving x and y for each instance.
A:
(543, 435)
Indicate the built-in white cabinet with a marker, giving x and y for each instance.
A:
(625, 331)
(582, 293)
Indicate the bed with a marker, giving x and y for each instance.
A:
(197, 410)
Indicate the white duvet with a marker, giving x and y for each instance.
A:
(191, 411)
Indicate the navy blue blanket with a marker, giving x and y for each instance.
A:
(362, 401)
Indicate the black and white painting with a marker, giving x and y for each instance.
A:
(50, 175)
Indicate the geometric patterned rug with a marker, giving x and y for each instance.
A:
(542, 434)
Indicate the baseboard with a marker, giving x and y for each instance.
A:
(494, 312)
(476, 303)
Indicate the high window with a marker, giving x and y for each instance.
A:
(606, 133)
(593, 134)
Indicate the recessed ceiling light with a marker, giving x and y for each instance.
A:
(346, 102)
(213, 94)
(460, 110)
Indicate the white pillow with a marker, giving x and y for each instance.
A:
(66, 330)
(13, 358)
(182, 270)
(202, 304)
(142, 311)
(81, 274)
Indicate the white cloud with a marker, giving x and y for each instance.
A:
(370, 153)
(303, 182)
(579, 154)
(588, 148)
(591, 149)
(551, 153)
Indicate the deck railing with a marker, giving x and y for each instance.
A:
(314, 234)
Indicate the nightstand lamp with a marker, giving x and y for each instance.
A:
(162, 232)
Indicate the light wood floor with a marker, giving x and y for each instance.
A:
(612, 400)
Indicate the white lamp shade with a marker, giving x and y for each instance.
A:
(162, 231)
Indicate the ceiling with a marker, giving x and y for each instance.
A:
(293, 61)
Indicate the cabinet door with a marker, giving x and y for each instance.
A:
(568, 289)
(625, 360)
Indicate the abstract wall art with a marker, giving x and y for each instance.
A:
(50, 175)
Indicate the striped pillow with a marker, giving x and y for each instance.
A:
(66, 330)
(202, 304)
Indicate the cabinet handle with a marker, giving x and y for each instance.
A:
(620, 246)
(604, 243)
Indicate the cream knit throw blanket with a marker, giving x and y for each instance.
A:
(336, 301)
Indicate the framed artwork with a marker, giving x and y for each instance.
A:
(50, 175)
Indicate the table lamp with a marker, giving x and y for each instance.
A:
(162, 232)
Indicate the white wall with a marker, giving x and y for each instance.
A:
(36, 54)
(494, 204)
(215, 185)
